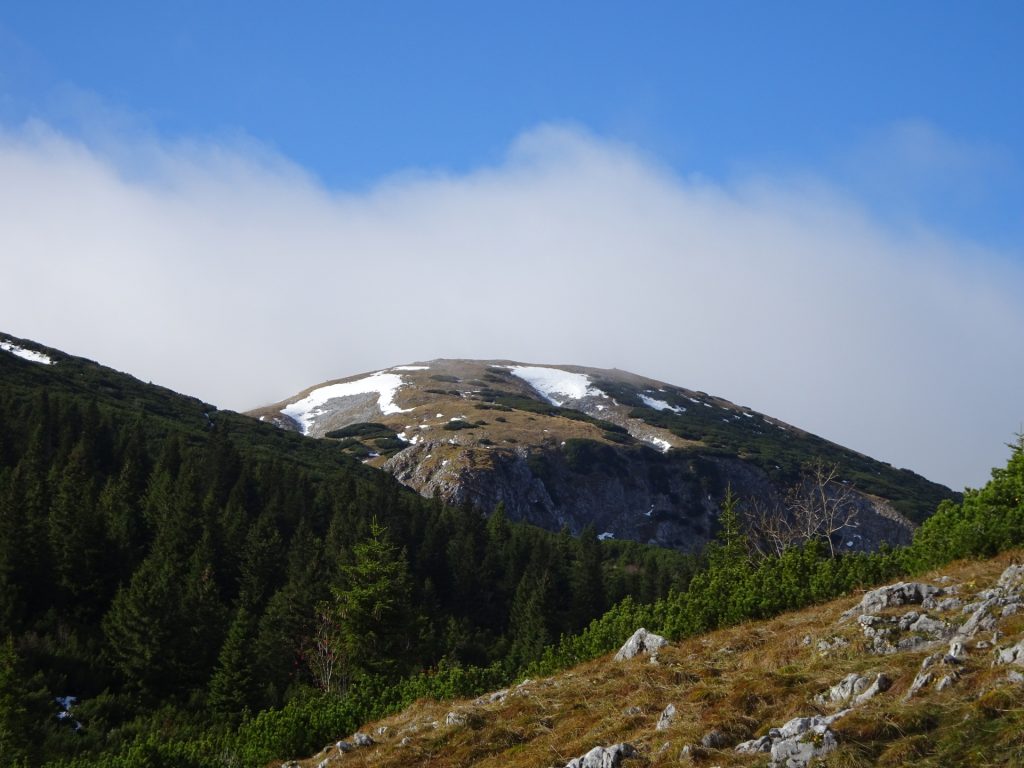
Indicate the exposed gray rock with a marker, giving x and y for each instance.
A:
(798, 753)
(641, 641)
(843, 691)
(632, 711)
(362, 740)
(755, 746)
(901, 593)
(957, 651)
(942, 603)
(797, 742)
(1012, 655)
(947, 681)
(1014, 676)
(382, 730)
(831, 644)
(800, 726)
(455, 718)
(880, 684)
(929, 626)
(603, 757)
(1011, 577)
(884, 631)
(713, 739)
(405, 742)
(1011, 609)
(666, 718)
(344, 746)
(924, 677)
(907, 620)
(493, 698)
(980, 620)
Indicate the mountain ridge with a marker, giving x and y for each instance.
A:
(577, 446)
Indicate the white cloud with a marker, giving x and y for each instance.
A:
(227, 272)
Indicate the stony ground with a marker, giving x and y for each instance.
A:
(930, 673)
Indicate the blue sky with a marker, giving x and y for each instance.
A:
(875, 150)
(356, 91)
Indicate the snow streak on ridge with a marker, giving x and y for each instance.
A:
(385, 385)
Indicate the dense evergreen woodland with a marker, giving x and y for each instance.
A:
(215, 592)
(178, 570)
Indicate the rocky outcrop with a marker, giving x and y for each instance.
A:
(854, 690)
(630, 493)
(603, 757)
(891, 634)
(640, 642)
(797, 742)
(901, 593)
(455, 719)
(665, 719)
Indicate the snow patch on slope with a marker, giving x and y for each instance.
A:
(657, 442)
(411, 368)
(555, 385)
(660, 405)
(305, 411)
(25, 354)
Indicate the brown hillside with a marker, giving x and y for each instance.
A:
(743, 681)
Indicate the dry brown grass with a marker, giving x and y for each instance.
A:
(514, 428)
(741, 681)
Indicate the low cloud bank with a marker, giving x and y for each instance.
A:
(228, 273)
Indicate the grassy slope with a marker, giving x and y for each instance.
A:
(741, 681)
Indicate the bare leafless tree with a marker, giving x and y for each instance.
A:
(819, 507)
(324, 652)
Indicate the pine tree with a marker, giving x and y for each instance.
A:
(528, 631)
(77, 532)
(142, 625)
(201, 617)
(260, 563)
(373, 606)
(232, 684)
(587, 580)
(730, 548)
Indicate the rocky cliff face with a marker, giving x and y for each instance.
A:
(576, 447)
(639, 494)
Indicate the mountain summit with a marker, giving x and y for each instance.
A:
(576, 447)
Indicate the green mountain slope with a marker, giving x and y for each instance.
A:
(177, 568)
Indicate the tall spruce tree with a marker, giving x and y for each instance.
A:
(233, 683)
(377, 626)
